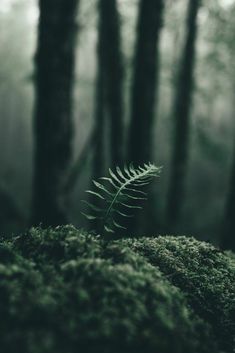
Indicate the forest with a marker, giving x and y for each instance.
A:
(117, 178)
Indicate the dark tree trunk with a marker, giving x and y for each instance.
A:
(228, 235)
(113, 75)
(53, 113)
(109, 102)
(181, 115)
(99, 124)
(145, 81)
(144, 101)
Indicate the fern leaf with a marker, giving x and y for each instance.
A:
(134, 197)
(101, 187)
(123, 214)
(111, 182)
(140, 192)
(129, 206)
(96, 194)
(121, 174)
(121, 194)
(117, 225)
(114, 177)
(93, 207)
(108, 229)
(90, 217)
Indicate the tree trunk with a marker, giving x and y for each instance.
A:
(228, 235)
(181, 115)
(53, 126)
(113, 76)
(143, 102)
(145, 81)
(99, 124)
(108, 104)
(109, 87)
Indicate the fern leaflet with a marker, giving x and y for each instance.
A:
(120, 195)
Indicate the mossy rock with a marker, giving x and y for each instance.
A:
(63, 290)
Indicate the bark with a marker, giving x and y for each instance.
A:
(114, 81)
(55, 59)
(144, 102)
(228, 235)
(145, 81)
(181, 115)
(109, 102)
(113, 75)
(99, 124)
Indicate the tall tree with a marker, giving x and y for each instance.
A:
(228, 226)
(109, 100)
(145, 79)
(110, 30)
(181, 115)
(109, 90)
(99, 122)
(228, 236)
(144, 100)
(55, 60)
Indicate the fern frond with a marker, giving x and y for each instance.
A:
(121, 194)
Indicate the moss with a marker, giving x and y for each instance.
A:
(54, 245)
(63, 290)
(203, 273)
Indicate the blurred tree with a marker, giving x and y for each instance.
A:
(53, 112)
(109, 91)
(114, 76)
(181, 114)
(228, 230)
(145, 81)
(99, 123)
(143, 100)
(228, 236)
(109, 98)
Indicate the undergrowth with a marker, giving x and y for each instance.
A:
(63, 290)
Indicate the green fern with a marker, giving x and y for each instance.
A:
(121, 195)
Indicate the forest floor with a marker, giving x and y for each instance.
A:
(64, 290)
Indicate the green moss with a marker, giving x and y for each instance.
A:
(63, 290)
(55, 245)
(203, 273)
